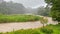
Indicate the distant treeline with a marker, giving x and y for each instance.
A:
(17, 8)
(11, 8)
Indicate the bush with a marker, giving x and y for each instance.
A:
(47, 31)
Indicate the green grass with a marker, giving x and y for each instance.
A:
(18, 18)
(50, 29)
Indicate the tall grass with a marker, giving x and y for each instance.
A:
(18, 18)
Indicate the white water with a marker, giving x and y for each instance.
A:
(7, 27)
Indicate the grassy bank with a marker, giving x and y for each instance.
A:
(18, 18)
(50, 29)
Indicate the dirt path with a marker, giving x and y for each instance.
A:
(7, 27)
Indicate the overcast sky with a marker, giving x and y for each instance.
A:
(30, 3)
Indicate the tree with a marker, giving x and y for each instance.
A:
(48, 6)
(44, 21)
(47, 11)
(43, 11)
(55, 10)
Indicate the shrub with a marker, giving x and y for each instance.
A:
(47, 31)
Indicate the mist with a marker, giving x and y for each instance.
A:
(23, 7)
(30, 3)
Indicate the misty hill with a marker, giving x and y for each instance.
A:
(43, 11)
(38, 11)
(17, 8)
(31, 11)
(11, 8)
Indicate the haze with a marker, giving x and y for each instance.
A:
(30, 3)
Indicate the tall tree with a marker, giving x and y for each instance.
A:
(48, 6)
(55, 10)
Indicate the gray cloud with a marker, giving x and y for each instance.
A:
(30, 3)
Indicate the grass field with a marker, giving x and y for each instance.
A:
(50, 29)
(18, 18)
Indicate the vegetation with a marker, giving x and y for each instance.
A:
(18, 18)
(44, 11)
(50, 29)
(43, 20)
(11, 8)
(55, 10)
(18, 8)
(8, 8)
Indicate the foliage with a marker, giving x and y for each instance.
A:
(44, 11)
(43, 20)
(47, 31)
(55, 10)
